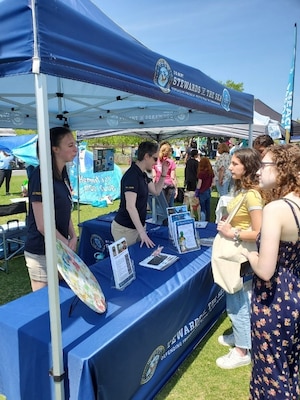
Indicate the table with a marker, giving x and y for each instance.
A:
(129, 352)
(95, 235)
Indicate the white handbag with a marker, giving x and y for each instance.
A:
(227, 258)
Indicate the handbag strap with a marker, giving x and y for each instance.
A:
(235, 210)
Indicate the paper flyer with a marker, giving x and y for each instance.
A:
(121, 263)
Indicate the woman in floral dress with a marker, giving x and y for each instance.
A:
(221, 169)
(275, 306)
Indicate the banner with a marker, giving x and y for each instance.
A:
(286, 116)
(96, 188)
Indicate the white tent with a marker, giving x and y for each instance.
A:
(262, 125)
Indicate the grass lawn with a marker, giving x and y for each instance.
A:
(198, 377)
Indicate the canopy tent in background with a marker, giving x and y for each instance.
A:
(9, 143)
(7, 132)
(63, 62)
(264, 109)
(262, 124)
(268, 123)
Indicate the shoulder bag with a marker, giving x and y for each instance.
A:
(227, 258)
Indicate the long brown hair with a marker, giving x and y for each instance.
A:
(251, 160)
(205, 165)
(56, 135)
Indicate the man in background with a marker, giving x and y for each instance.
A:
(5, 169)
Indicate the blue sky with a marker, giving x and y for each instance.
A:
(248, 41)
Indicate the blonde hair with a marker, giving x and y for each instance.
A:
(164, 151)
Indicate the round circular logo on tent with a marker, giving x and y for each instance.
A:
(152, 363)
(163, 75)
(17, 118)
(226, 100)
(182, 115)
(113, 120)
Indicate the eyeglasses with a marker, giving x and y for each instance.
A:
(265, 164)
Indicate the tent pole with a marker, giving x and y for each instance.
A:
(50, 235)
(78, 190)
(250, 141)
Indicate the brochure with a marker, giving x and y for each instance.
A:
(176, 217)
(159, 261)
(122, 266)
(176, 209)
(185, 235)
(201, 224)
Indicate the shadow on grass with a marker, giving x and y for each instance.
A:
(16, 282)
(187, 363)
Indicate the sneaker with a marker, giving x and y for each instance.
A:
(233, 360)
(227, 340)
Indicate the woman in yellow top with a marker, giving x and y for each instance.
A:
(244, 226)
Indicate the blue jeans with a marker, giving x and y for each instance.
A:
(170, 195)
(223, 189)
(238, 310)
(204, 199)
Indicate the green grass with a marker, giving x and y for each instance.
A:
(198, 377)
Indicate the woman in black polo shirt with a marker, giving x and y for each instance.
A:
(63, 150)
(135, 186)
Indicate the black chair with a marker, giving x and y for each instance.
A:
(12, 233)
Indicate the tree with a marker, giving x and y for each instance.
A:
(116, 141)
(232, 85)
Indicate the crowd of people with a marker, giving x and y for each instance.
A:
(265, 179)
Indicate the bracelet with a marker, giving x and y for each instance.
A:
(236, 236)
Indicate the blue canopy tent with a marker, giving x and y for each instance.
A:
(9, 143)
(63, 62)
(87, 47)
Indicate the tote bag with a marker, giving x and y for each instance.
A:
(227, 258)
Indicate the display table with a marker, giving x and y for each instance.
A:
(129, 352)
(95, 235)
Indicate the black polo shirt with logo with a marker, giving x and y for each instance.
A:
(134, 180)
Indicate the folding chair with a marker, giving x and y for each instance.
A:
(13, 233)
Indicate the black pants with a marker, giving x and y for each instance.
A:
(5, 174)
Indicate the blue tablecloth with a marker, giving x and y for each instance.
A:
(127, 353)
(95, 235)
